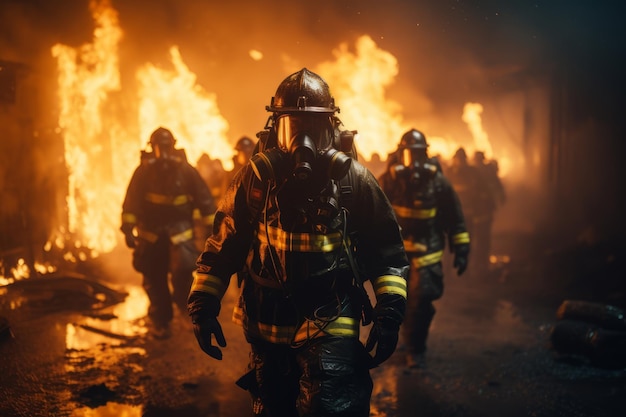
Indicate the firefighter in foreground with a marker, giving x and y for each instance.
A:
(429, 212)
(308, 225)
(157, 222)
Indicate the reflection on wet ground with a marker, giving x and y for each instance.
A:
(84, 349)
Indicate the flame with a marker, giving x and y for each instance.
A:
(358, 82)
(102, 143)
(172, 99)
(85, 78)
(472, 116)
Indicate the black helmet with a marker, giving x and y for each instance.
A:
(303, 91)
(413, 139)
(162, 136)
(162, 142)
(245, 144)
(460, 154)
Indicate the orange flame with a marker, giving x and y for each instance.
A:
(102, 146)
(358, 81)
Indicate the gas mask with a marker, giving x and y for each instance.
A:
(413, 166)
(304, 151)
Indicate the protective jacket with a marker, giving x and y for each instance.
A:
(428, 211)
(302, 275)
(162, 196)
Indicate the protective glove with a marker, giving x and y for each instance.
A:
(130, 240)
(461, 259)
(383, 335)
(204, 328)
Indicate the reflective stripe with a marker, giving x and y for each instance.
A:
(209, 284)
(182, 236)
(149, 236)
(170, 200)
(460, 238)
(342, 326)
(208, 220)
(129, 218)
(411, 246)
(430, 259)
(411, 213)
(175, 239)
(390, 284)
(299, 242)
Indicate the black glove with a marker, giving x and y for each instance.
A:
(383, 335)
(204, 328)
(460, 259)
(130, 240)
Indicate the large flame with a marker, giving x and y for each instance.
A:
(103, 143)
(358, 82)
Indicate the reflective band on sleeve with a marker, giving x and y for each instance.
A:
(461, 238)
(430, 259)
(299, 242)
(208, 220)
(390, 284)
(209, 284)
(411, 213)
(411, 246)
(170, 200)
(148, 236)
(182, 237)
(129, 218)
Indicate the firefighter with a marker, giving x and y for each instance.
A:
(244, 148)
(157, 222)
(429, 213)
(308, 225)
(490, 196)
(467, 182)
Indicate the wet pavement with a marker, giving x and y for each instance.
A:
(78, 348)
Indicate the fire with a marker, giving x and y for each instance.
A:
(358, 81)
(102, 143)
(472, 116)
(172, 99)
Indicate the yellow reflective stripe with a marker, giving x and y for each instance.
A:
(209, 284)
(149, 236)
(195, 214)
(182, 236)
(129, 218)
(411, 213)
(411, 246)
(390, 284)
(342, 326)
(208, 220)
(461, 238)
(299, 242)
(172, 200)
(430, 259)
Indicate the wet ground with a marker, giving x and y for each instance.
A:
(77, 348)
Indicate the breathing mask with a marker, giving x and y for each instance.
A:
(304, 150)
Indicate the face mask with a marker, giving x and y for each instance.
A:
(304, 151)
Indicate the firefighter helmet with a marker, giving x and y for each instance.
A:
(162, 142)
(303, 91)
(245, 144)
(413, 139)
